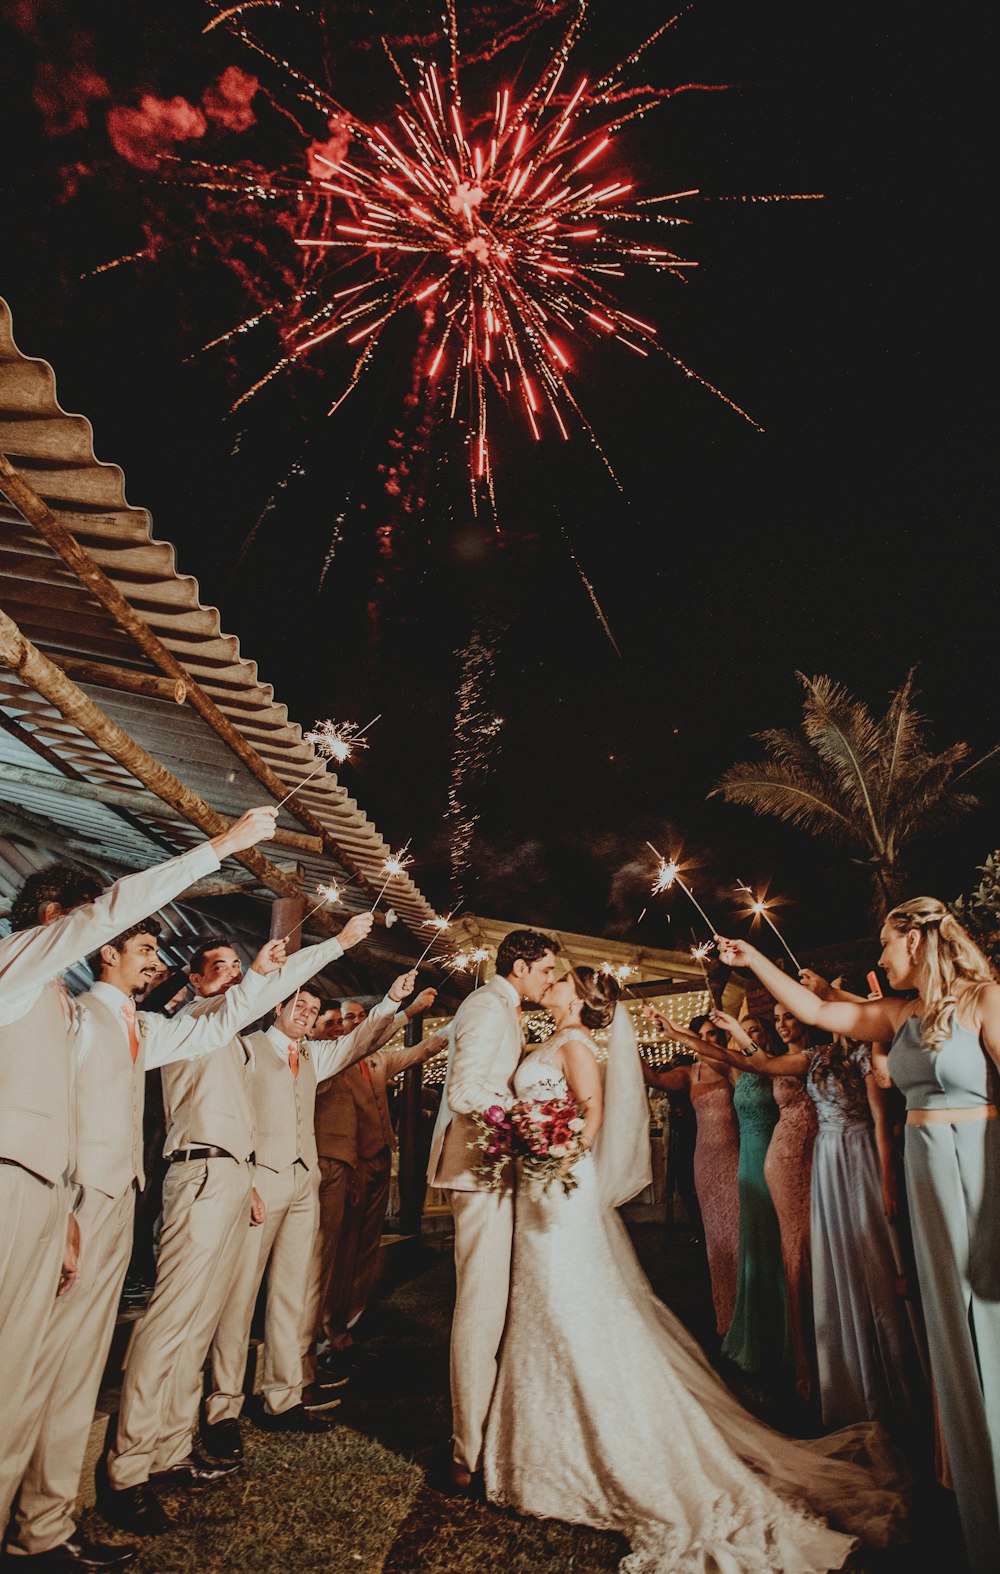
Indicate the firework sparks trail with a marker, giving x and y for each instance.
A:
(475, 730)
(506, 229)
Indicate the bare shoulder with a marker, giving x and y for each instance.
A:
(578, 1050)
(980, 1003)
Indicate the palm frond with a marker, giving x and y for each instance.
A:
(791, 748)
(905, 730)
(772, 787)
(847, 737)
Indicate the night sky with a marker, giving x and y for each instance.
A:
(855, 537)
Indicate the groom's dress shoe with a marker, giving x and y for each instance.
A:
(135, 1509)
(465, 1482)
(190, 1473)
(77, 1553)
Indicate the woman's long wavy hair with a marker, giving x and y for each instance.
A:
(947, 957)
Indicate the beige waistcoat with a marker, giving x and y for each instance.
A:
(208, 1102)
(37, 1111)
(284, 1107)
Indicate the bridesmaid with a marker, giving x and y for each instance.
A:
(757, 1341)
(716, 1157)
(945, 1058)
(867, 1360)
(788, 1172)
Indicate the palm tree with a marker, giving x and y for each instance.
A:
(871, 784)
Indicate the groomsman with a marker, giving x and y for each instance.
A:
(59, 917)
(115, 1046)
(208, 1206)
(286, 1069)
(351, 1278)
(336, 1145)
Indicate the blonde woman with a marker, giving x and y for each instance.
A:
(945, 1058)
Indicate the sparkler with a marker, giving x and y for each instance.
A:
(440, 927)
(393, 865)
(479, 956)
(759, 909)
(329, 896)
(332, 741)
(667, 875)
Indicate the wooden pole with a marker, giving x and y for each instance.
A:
(42, 675)
(37, 512)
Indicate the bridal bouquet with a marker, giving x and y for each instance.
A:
(543, 1136)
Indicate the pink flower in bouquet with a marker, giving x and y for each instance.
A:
(496, 1115)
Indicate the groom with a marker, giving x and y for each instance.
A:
(486, 1049)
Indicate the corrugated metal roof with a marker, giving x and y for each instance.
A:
(53, 452)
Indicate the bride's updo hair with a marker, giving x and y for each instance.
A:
(600, 993)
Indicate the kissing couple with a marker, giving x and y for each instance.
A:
(576, 1394)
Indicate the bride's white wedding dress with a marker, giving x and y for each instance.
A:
(606, 1412)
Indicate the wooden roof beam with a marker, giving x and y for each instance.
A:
(37, 512)
(35, 669)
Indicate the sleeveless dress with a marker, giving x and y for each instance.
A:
(758, 1338)
(867, 1360)
(788, 1172)
(606, 1412)
(716, 1159)
(953, 1188)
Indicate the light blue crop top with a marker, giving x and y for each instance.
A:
(958, 1074)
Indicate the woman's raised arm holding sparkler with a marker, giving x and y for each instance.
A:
(865, 1021)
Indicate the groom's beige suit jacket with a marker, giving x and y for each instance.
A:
(486, 1047)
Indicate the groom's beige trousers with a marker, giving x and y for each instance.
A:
(484, 1228)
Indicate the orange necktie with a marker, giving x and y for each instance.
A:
(366, 1071)
(128, 1012)
(293, 1058)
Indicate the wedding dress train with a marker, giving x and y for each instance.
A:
(606, 1412)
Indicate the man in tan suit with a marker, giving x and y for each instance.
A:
(284, 1101)
(336, 1146)
(59, 917)
(208, 1204)
(355, 1260)
(486, 1048)
(115, 1047)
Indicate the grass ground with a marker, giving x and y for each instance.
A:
(361, 1500)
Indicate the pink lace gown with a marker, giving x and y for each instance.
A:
(788, 1172)
(716, 1161)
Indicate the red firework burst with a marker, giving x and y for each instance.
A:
(506, 230)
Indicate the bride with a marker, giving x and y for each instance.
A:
(606, 1412)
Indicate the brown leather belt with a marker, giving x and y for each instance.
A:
(184, 1155)
(950, 1117)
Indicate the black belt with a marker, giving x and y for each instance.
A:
(184, 1154)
